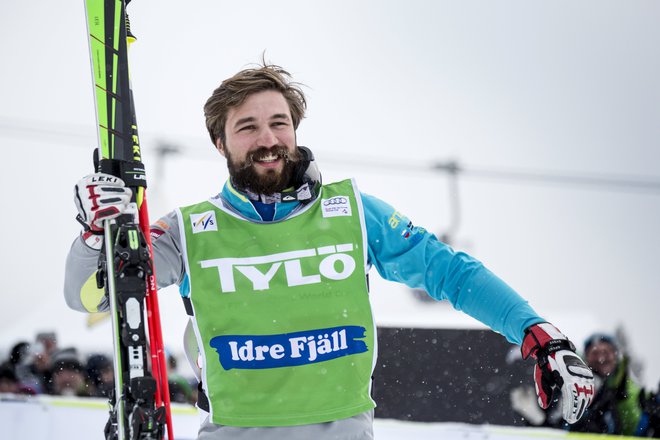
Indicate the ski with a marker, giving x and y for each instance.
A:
(140, 405)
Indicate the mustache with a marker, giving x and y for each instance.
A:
(280, 151)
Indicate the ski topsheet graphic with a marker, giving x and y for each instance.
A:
(140, 404)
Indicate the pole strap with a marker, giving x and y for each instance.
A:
(131, 172)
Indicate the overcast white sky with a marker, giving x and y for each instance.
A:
(558, 87)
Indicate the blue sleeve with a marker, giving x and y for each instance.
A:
(411, 255)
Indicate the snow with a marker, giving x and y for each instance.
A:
(48, 418)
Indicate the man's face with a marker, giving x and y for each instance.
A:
(68, 382)
(602, 358)
(260, 144)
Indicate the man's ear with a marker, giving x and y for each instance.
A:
(220, 147)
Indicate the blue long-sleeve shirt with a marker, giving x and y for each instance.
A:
(411, 255)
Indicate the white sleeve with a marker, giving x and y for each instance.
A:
(80, 291)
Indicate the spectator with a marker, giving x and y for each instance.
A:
(616, 407)
(41, 363)
(20, 362)
(19, 354)
(48, 342)
(101, 375)
(650, 403)
(45, 348)
(9, 382)
(68, 376)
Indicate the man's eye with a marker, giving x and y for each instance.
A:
(246, 127)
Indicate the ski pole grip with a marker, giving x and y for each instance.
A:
(131, 172)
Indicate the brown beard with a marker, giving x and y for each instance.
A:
(244, 175)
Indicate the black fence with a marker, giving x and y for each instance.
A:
(444, 375)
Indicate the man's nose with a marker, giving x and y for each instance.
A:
(266, 138)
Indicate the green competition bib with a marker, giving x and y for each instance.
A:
(281, 311)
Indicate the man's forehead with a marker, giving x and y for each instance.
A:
(265, 104)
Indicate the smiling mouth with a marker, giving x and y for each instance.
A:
(270, 158)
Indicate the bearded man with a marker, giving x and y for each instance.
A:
(273, 274)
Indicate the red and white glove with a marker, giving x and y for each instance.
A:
(558, 367)
(100, 197)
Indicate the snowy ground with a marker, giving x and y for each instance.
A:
(48, 418)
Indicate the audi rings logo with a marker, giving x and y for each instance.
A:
(339, 200)
(337, 206)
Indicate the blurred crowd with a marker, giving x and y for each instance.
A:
(42, 367)
(620, 405)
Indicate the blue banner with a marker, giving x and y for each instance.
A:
(254, 352)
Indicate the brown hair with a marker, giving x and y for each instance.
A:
(235, 90)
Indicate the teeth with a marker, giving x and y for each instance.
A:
(269, 158)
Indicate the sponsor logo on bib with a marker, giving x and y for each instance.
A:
(336, 206)
(334, 263)
(253, 352)
(203, 222)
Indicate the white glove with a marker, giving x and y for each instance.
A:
(558, 368)
(100, 197)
